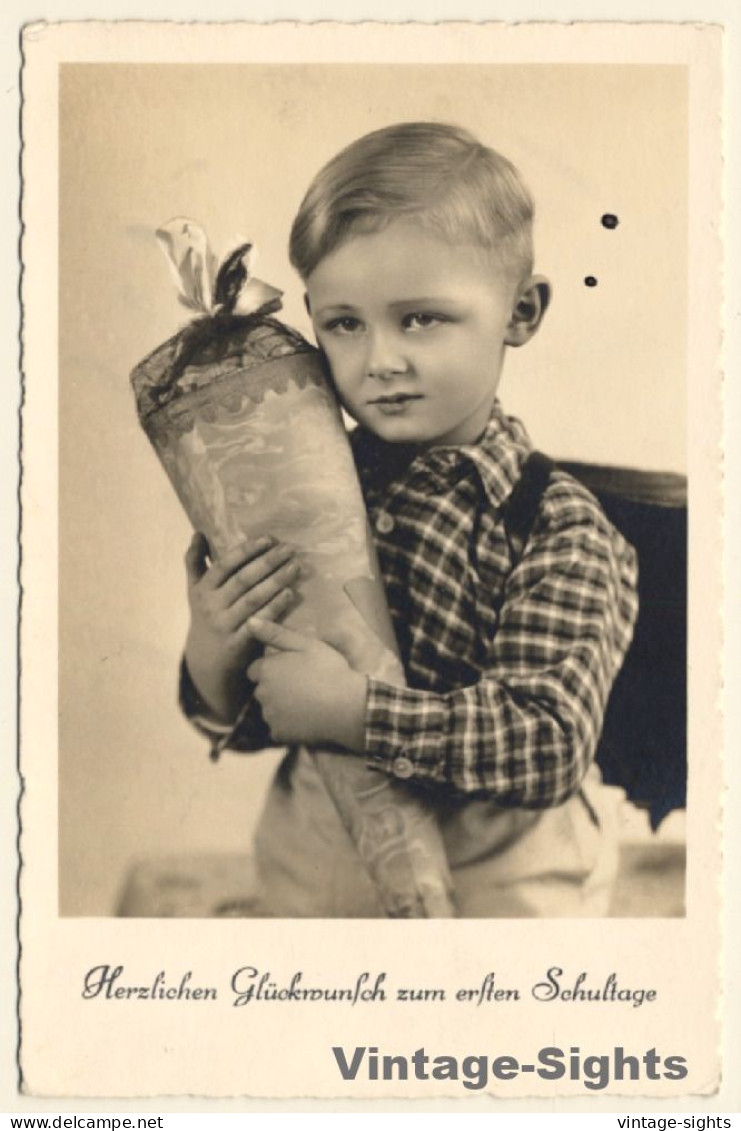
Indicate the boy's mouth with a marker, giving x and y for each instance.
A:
(395, 403)
(396, 398)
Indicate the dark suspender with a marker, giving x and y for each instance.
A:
(522, 506)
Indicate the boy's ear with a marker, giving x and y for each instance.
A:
(531, 304)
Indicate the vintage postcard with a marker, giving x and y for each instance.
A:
(405, 341)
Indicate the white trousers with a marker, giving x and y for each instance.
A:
(505, 863)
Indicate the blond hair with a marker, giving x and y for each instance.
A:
(430, 173)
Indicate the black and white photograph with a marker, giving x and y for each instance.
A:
(359, 501)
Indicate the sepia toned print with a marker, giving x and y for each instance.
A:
(160, 847)
(565, 818)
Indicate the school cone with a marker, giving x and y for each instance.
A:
(240, 413)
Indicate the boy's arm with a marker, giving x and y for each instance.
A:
(246, 734)
(304, 689)
(524, 734)
(215, 693)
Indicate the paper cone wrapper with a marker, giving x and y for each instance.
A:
(248, 430)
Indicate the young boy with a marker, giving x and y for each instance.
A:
(415, 247)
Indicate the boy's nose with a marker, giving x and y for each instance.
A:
(385, 359)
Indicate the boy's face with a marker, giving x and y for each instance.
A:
(414, 330)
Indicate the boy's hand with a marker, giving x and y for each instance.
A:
(307, 690)
(255, 576)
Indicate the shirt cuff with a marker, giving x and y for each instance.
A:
(219, 734)
(405, 732)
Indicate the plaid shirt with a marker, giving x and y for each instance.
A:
(509, 662)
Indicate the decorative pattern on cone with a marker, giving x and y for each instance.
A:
(245, 423)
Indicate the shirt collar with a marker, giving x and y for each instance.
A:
(497, 457)
(498, 454)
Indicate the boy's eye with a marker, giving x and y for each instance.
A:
(345, 325)
(418, 321)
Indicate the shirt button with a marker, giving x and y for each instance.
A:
(403, 767)
(384, 523)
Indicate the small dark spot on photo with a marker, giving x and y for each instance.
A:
(610, 220)
(590, 281)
